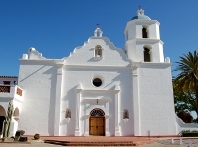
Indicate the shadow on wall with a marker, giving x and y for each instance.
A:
(70, 99)
(51, 115)
(32, 74)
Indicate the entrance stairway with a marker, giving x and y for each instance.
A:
(97, 140)
(84, 143)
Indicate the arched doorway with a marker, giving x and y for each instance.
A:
(2, 117)
(97, 122)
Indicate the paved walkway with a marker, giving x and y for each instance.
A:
(168, 143)
(155, 142)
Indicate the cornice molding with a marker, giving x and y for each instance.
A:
(150, 40)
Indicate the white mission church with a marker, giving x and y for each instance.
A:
(98, 90)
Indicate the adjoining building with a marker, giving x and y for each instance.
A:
(98, 90)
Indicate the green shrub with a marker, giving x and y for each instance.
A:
(195, 131)
(188, 133)
(185, 131)
(36, 136)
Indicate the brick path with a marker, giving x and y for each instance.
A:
(140, 141)
(104, 140)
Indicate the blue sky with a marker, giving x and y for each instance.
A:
(56, 27)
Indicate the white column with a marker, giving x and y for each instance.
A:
(78, 95)
(87, 125)
(58, 100)
(107, 133)
(117, 131)
(136, 109)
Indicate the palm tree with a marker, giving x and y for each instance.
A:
(187, 79)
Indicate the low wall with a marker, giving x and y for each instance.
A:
(185, 126)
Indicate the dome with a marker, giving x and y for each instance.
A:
(140, 15)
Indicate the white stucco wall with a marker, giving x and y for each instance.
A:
(90, 94)
(84, 55)
(154, 30)
(134, 28)
(38, 80)
(135, 49)
(52, 86)
(157, 113)
(80, 69)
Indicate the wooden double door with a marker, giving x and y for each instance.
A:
(97, 126)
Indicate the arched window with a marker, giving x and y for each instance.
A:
(98, 34)
(98, 51)
(147, 54)
(144, 32)
(97, 112)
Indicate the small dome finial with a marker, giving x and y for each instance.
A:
(98, 32)
(140, 14)
(140, 11)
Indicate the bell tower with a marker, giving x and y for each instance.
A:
(152, 93)
(143, 42)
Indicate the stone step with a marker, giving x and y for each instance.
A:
(76, 143)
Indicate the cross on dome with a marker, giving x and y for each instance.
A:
(98, 25)
(140, 14)
(140, 7)
(140, 11)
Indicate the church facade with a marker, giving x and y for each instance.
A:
(98, 89)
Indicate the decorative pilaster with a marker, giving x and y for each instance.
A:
(107, 133)
(78, 95)
(58, 99)
(87, 125)
(117, 131)
(136, 109)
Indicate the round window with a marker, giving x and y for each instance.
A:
(97, 82)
